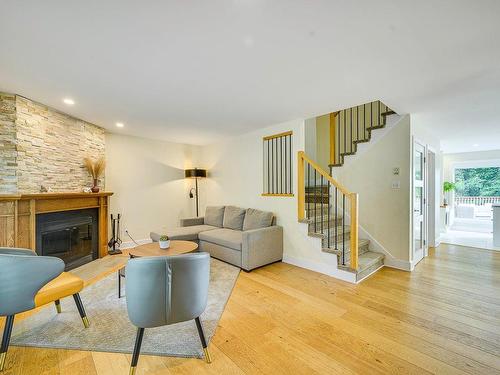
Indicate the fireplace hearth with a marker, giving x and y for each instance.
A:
(69, 235)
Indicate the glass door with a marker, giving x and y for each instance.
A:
(419, 201)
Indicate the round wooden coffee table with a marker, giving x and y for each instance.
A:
(152, 249)
(177, 247)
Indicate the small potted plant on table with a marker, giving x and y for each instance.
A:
(164, 242)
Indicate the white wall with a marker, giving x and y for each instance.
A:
(147, 178)
(384, 211)
(235, 178)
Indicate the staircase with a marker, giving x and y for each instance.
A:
(335, 233)
(352, 126)
(329, 209)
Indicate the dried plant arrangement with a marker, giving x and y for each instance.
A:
(95, 170)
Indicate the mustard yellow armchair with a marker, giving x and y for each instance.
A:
(28, 281)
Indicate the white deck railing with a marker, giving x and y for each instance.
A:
(476, 201)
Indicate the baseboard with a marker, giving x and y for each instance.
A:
(398, 263)
(131, 244)
(321, 268)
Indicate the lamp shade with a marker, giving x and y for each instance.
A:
(195, 172)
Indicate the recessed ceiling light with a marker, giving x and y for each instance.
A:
(119, 124)
(475, 145)
(68, 101)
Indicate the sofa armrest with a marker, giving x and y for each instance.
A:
(261, 246)
(190, 221)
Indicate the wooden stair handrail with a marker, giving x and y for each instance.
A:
(321, 171)
(353, 197)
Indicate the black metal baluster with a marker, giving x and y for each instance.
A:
(281, 163)
(276, 161)
(379, 117)
(315, 207)
(321, 200)
(371, 114)
(336, 214)
(309, 189)
(329, 213)
(343, 229)
(286, 168)
(268, 169)
(364, 121)
(272, 165)
(357, 123)
(345, 135)
(351, 145)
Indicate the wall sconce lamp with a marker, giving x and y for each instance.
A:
(195, 173)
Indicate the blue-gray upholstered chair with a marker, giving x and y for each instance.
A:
(28, 281)
(167, 290)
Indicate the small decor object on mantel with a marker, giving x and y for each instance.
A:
(96, 170)
(164, 242)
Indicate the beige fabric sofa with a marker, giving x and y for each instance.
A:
(246, 238)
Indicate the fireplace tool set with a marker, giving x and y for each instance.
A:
(115, 241)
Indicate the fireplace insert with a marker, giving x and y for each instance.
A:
(69, 235)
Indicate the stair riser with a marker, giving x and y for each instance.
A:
(338, 223)
(361, 250)
(316, 190)
(340, 239)
(317, 199)
(369, 270)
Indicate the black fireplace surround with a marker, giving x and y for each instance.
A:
(69, 235)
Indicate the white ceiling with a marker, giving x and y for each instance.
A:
(196, 71)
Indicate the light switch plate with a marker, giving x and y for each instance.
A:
(396, 184)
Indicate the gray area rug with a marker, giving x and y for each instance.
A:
(110, 329)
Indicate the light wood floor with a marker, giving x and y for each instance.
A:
(443, 318)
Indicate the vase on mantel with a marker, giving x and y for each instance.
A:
(95, 188)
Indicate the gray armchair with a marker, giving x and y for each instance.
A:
(167, 290)
(28, 281)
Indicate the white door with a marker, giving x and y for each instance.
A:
(419, 202)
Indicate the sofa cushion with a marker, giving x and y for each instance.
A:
(255, 219)
(182, 233)
(233, 217)
(224, 237)
(214, 215)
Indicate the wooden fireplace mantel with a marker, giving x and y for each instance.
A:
(18, 215)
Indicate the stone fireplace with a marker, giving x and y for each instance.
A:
(42, 149)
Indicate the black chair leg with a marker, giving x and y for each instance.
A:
(81, 310)
(58, 306)
(203, 340)
(7, 331)
(137, 350)
(119, 285)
